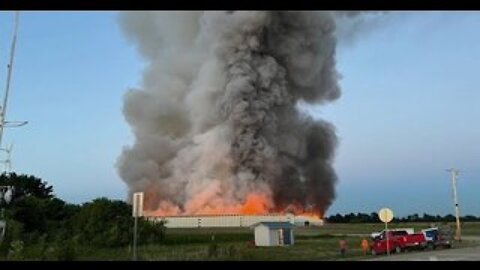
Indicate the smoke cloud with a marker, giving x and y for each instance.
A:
(215, 120)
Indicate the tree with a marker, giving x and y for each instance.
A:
(108, 223)
(31, 212)
(103, 222)
(449, 218)
(42, 215)
(428, 218)
(36, 209)
(374, 217)
(470, 218)
(26, 185)
(150, 233)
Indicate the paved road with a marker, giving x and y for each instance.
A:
(455, 254)
(460, 254)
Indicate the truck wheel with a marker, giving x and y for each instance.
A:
(430, 246)
(398, 249)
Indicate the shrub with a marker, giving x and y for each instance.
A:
(16, 250)
(212, 250)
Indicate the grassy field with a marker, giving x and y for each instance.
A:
(311, 243)
(313, 247)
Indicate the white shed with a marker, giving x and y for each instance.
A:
(273, 233)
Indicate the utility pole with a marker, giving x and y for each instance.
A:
(3, 108)
(6, 196)
(3, 111)
(454, 173)
(8, 160)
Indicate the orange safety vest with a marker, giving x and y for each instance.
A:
(365, 244)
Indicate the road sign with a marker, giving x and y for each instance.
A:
(136, 213)
(385, 215)
(137, 204)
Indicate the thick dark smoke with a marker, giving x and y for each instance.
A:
(216, 118)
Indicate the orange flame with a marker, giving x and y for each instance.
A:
(254, 204)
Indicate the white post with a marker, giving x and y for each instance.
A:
(386, 215)
(454, 173)
(386, 237)
(135, 239)
(137, 211)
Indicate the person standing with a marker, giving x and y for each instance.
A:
(343, 247)
(365, 246)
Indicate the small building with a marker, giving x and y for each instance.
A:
(273, 234)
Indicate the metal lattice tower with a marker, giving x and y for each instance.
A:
(8, 160)
(3, 109)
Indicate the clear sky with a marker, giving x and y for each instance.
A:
(410, 108)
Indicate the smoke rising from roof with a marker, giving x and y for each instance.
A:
(215, 121)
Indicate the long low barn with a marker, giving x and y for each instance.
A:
(210, 221)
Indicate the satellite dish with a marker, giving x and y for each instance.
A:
(385, 215)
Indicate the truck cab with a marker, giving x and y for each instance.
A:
(437, 237)
(398, 241)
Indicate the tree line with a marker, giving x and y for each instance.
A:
(373, 218)
(52, 228)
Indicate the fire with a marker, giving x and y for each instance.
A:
(310, 216)
(254, 204)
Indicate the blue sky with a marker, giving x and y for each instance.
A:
(410, 108)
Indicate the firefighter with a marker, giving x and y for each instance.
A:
(365, 246)
(343, 247)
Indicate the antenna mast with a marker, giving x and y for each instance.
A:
(8, 159)
(3, 108)
(9, 76)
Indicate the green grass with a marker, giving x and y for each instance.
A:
(471, 228)
(311, 243)
(306, 248)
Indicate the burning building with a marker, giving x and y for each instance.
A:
(216, 121)
(212, 221)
